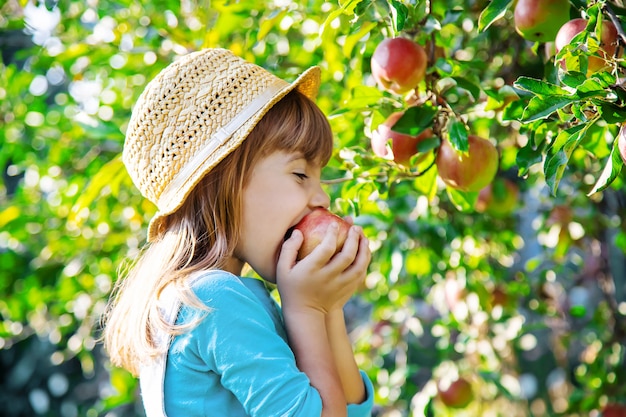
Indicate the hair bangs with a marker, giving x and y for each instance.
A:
(296, 124)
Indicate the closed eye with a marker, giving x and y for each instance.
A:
(301, 176)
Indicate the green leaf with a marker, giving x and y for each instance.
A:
(400, 12)
(431, 25)
(345, 8)
(362, 98)
(466, 84)
(573, 78)
(560, 153)
(543, 107)
(605, 78)
(540, 88)
(611, 170)
(494, 11)
(528, 156)
(463, 201)
(452, 16)
(610, 112)
(590, 87)
(458, 136)
(354, 38)
(428, 144)
(595, 141)
(415, 119)
(362, 7)
(270, 23)
(513, 111)
(427, 183)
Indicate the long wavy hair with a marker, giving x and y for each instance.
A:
(203, 233)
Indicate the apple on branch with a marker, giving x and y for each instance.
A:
(498, 198)
(403, 145)
(314, 226)
(608, 42)
(539, 20)
(471, 170)
(399, 65)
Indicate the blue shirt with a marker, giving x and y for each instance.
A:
(236, 361)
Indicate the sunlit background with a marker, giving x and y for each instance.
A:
(527, 306)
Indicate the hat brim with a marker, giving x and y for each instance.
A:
(307, 83)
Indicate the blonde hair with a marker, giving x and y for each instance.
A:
(203, 233)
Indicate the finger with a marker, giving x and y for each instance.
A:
(289, 252)
(365, 254)
(326, 248)
(362, 258)
(350, 248)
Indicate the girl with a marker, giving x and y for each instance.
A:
(231, 156)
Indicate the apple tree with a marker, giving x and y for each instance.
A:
(479, 144)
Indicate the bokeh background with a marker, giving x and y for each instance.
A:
(527, 303)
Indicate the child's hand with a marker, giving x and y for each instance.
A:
(321, 281)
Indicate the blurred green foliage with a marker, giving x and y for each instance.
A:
(528, 306)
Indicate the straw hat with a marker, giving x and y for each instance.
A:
(191, 115)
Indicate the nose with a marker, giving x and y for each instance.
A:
(320, 198)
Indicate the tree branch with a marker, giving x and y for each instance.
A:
(382, 176)
(616, 23)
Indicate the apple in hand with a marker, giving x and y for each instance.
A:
(398, 65)
(314, 226)
(470, 171)
(458, 394)
(403, 146)
(608, 42)
(540, 20)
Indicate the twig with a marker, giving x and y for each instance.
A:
(616, 23)
(381, 176)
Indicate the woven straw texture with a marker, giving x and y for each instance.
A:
(191, 115)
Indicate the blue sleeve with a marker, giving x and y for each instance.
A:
(239, 340)
(365, 408)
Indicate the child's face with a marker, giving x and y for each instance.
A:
(282, 189)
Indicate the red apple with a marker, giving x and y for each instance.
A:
(403, 146)
(458, 394)
(314, 226)
(399, 65)
(540, 20)
(470, 171)
(608, 42)
(621, 142)
(614, 410)
(499, 198)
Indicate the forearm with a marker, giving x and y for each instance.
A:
(308, 338)
(343, 355)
